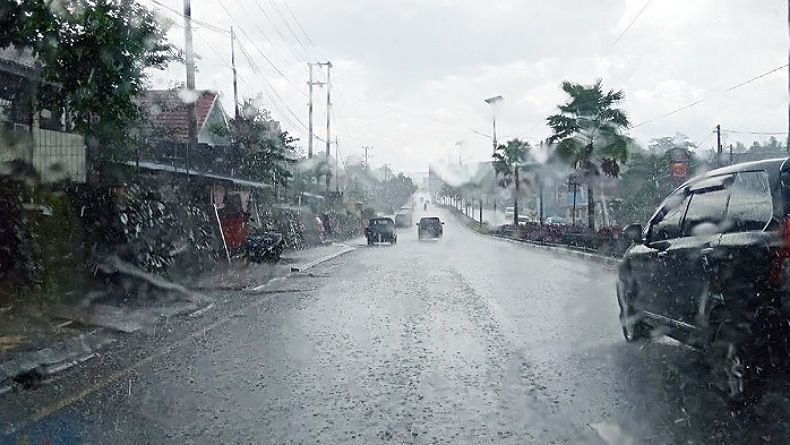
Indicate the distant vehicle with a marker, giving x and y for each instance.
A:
(403, 219)
(523, 219)
(406, 209)
(711, 270)
(381, 230)
(430, 227)
(556, 221)
(509, 211)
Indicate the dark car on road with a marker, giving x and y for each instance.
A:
(430, 227)
(403, 219)
(381, 230)
(710, 269)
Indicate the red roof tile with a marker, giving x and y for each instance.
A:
(167, 112)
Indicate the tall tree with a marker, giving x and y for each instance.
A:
(588, 134)
(508, 160)
(94, 54)
(264, 152)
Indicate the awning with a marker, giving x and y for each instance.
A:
(180, 170)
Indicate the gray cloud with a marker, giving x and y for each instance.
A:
(411, 75)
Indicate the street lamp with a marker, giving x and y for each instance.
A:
(493, 101)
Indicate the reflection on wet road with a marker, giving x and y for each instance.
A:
(460, 340)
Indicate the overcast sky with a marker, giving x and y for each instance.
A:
(410, 76)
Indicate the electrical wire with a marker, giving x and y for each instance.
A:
(631, 23)
(252, 42)
(764, 133)
(287, 25)
(299, 24)
(296, 59)
(194, 21)
(274, 104)
(685, 107)
(213, 49)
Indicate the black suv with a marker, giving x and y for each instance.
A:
(430, 227)
(710, 270)
(381, 230)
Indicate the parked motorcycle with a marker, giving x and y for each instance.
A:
(264, 247)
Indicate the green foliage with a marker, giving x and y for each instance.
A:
(647, 180)
(396, 191)
(508, 158)
(588, 130)
(265, 153)
(588, 134)
(94, 55)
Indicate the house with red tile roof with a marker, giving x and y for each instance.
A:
(166, 117)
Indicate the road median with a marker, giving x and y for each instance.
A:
(473, 225)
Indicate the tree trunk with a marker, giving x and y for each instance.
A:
(515, 201)
(590, 206)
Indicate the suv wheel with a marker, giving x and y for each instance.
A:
(634, 328)
(735, 366)
(729, 370)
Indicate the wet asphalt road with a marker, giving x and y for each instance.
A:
(462, 340)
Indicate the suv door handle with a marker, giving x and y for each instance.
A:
(662, 254)
(706, 251)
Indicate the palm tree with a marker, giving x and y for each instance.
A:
(508, 160)
(588, 134)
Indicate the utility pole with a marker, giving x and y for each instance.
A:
(366, 157)
(233, 66)
(718, 146)
(730, 154)
(190, 61)
(788, 80)
(310, 84)
(328, 115)
(493, 101)
(337, 172)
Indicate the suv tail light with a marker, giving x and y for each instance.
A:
(782, 255)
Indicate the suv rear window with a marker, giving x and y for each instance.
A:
(751, 206)
(705, 212)
(744, 205)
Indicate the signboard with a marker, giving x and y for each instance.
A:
(679, 170)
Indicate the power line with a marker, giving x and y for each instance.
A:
(252, 42)
(765, 133)
(631, 23)
(274, 103)
(299, 24)
(685, 107)
(276, 29)
(213, 49)
(181, 14)
(756, 78)
(287, 25)
(249, 59)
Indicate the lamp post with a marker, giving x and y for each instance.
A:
(493, 101)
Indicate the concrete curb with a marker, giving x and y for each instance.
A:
(43, 363)
(308, 265)
(300, 268)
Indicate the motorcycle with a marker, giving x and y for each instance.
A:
(264, 247)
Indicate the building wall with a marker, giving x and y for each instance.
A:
(58, 155)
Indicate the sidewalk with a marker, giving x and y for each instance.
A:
(40, 338)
